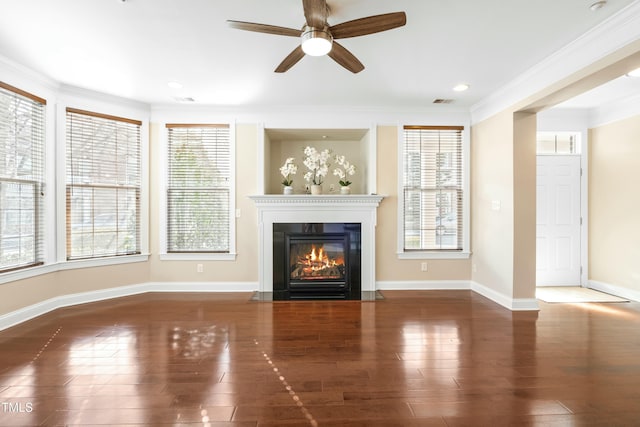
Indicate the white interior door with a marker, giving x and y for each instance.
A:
(558, 220)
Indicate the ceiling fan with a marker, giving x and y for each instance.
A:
(318, 38)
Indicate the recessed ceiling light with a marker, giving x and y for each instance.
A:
(461, 87)
(597, 5)
(174, 85)
(634, 73)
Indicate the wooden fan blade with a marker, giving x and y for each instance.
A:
(315, 12)
(345, 58)
(291, 60)
(368, 25)
(264, 28)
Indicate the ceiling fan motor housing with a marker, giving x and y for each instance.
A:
(316, 41)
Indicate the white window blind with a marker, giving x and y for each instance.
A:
(22, 136)
(103, 185)
(199, 188)
(433, 188)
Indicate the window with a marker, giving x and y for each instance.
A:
(432, 192)
(102, 185)
(22, 130)
(199, 189)
(558, 143)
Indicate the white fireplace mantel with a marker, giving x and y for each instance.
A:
(325, 208)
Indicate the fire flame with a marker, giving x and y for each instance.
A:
(317, 264)
(319, 260)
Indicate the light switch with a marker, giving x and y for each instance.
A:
(495, 205)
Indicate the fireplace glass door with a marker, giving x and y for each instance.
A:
(318, 264)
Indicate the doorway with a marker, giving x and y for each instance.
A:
(558, 210)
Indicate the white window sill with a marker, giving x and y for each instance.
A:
(433, 255)
(198, 257)
(100, 262)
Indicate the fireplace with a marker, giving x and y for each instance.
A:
(275, 210)
(316, 261)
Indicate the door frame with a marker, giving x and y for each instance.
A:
(584, 202)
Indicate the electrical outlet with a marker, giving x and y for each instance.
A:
(332, 188)
(423, 266)
(199, 268)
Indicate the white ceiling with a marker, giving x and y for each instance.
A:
(133, 48)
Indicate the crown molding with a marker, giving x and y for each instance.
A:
(612, 35)
(24, 77)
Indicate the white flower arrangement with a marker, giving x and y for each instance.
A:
(289, 168)
(317, 163)
(345, 169)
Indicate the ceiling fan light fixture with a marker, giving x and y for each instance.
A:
(316, 42)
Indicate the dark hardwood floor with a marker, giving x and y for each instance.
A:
(416, 358)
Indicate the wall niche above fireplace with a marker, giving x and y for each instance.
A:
(356, 144)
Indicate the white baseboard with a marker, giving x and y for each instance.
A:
(416, 285)
(22, 315)
(203, 286)
(513, 304)
(618, 291)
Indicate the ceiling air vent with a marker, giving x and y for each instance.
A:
(185, 99)
(442, 101)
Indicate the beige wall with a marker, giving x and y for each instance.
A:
(492, 235)
(524, 205)
(614, 203)
(503, 219)
(22, 293)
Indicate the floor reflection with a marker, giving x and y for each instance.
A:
(94, 362)
(196, 343)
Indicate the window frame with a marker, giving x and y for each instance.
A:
(465, 252)
(163, 215)
(133, 111)
(40, 208)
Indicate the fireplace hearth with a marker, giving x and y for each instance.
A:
(316, 261)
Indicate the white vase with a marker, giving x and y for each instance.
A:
(287, 189)
(345, 189)
(316, 189)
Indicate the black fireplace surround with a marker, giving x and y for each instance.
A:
(316, 261)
